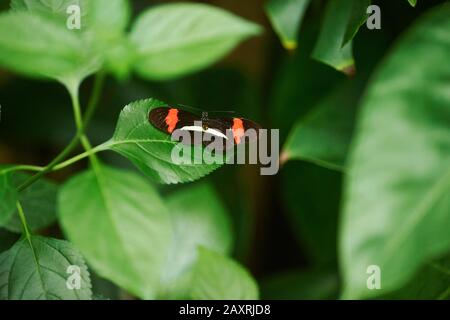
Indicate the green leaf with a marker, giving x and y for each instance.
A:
(431, 282)
(358, 17)
(38, 202)
(286, 17)
(300, 285)
(198, 218)
(397, 192)
(107, 21)
(37, 269)
(8, 197)
(315, 79)
(323, 135)
(37, 46)
(176, 39)
(56, 9)
(108, 18)
(412, 2)
(329, 49)
(217, 277)
(150, 149)
(103, 23)
(120, 224)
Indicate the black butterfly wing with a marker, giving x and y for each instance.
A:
(157, 117)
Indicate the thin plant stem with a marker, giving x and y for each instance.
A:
(23, 220)
(81, 126)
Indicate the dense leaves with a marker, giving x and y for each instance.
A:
(37, 268)
(397, 191)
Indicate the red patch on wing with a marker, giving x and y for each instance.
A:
(172, 120)
(238, 130)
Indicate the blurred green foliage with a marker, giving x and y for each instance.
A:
(364, 126)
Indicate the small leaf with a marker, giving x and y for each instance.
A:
(323, 136)
(176, 39)
(120, 224)
(301, 285)
(397, 191)
(38, 202)
(412, 2)
(150, 149)
(329, 48)
(358, 17)
(217, 277)
(198, 218)
(286, 17)
(37, 269)
(37, 46)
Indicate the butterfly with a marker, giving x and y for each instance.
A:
(230, 131)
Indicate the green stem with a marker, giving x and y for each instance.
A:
(62, 155)
(94, 99)
(61, 165)
(81, 156)
(23, 220)
(81, 126)
(23, 167)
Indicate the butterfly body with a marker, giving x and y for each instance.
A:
(168, 119)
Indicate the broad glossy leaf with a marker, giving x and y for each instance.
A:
(286, 17)
(37, 269)
(37, 46)
(300, 285)
(329, 49)
(217, 277)
(120, 224)
(38, 202)
(358, 17)
(150, 149)
(323, 135)
(198, 218)
(397, 192)
(175, 39)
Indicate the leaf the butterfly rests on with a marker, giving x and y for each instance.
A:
(150, 149)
